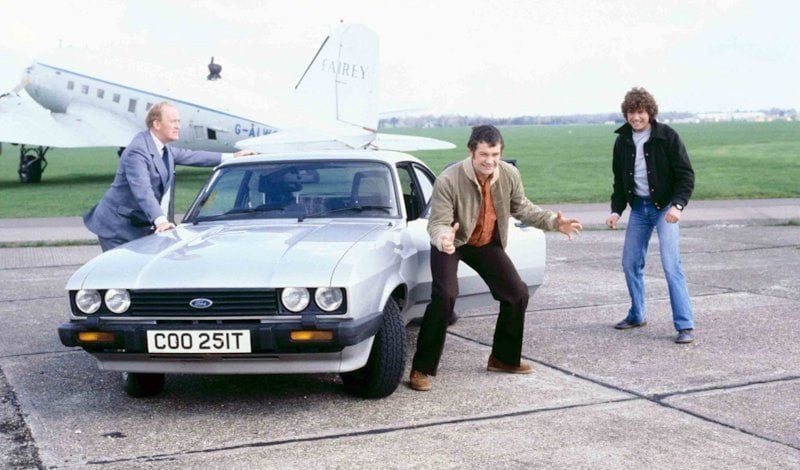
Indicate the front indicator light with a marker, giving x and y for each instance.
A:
(88, 301)
(95, 337)
(311, 335)
(118, 300)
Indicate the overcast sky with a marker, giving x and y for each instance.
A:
(497, 58)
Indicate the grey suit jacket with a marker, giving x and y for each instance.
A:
(132, 203)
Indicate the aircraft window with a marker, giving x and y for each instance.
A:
(116, 97)
(85, 89)
(132, 105)
(101, 93)
(212, 134)
(70, 85)
(149, 105)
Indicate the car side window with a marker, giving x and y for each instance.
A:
(416, 182)
(412, 195)
(425, 179)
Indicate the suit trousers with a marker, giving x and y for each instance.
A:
(496, 269)
(110, 243)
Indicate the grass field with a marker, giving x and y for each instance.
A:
(558, 164)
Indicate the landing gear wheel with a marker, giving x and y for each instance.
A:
(31, 163)
(381, 375)
(140, 385)
(30, 170)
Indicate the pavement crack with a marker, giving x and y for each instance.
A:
(42, 353)
(16, 268)
(365, 432)
(16, 440)
(30, 299)
(664, 396)
(726, 425)
(657, 399)
(561, 369)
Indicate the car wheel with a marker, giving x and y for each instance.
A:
(140, 385)
(387, 359)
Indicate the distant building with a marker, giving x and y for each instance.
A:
(756, 116)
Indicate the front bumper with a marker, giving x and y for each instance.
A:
(265, 338)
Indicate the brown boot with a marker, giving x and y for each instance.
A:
(419, 381)
(496, 365)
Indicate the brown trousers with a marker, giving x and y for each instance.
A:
(495, 267)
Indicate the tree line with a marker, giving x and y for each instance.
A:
(458, 120)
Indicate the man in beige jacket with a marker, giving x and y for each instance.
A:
(470, 210)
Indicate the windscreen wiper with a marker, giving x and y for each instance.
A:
(356, 208)
(239, 211)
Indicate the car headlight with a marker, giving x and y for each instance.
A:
(328, 298)
(295, 299)
(88, 301)
(118, 300)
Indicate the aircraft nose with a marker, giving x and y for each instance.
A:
(25, 80)
(26, 74)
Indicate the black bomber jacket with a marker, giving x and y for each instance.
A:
(669, 172)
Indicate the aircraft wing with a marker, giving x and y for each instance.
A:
(408, 143)
(305, 140)
(294, 140)
(22, 121)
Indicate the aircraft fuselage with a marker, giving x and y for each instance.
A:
(202, 128)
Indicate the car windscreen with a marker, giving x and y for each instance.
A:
(300, 190)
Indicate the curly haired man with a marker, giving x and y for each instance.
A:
(653, 175)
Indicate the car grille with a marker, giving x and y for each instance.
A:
(224, 302)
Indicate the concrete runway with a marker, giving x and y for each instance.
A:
(599, 398)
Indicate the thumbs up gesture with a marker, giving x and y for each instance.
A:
(446, 240)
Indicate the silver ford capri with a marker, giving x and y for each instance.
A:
(289, 263)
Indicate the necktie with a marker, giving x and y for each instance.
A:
(167, 201)
(165, 157)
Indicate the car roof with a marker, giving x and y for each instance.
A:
(381, 155)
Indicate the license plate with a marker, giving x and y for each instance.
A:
(198, 341)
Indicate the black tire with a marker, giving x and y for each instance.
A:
(30, 171)
(140, 385)
(381, 375)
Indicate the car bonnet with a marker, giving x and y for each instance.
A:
(242, 255)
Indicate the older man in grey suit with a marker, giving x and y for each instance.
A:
(139, 200)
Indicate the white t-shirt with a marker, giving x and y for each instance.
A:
(641, 184)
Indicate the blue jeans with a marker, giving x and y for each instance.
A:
(643, 219)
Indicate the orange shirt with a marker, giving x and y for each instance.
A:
(484, 228)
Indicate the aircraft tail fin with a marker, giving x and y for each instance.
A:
(338, 92)
(341, 82)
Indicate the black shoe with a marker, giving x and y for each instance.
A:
(626, 325)
(684, 336)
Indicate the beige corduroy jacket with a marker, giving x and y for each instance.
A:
(457, 198)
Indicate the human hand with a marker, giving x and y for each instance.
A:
(164, 226)
(447, 240)
(568, 227)
(244, 153)
(673, 215)
(611, 221)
